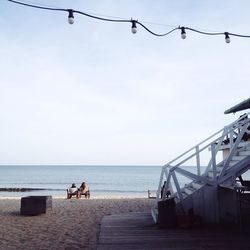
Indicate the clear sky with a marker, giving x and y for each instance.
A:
(94, 93)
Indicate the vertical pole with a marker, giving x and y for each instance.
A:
(177, 186)
(239, 215)
(231, 140)
(168, 177)
(160, 184)
(213, 162)
(198, 161)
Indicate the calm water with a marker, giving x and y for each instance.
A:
(104, 181)
(133, 181)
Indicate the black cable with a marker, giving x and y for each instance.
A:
(155, 34)
(244, 36)
(134, 22)
(91, 16)
(216, 33)
(66, 10)
(36, 6)
(101, 18)
(205, 33)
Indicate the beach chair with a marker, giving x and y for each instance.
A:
(86, 194)
(70, 194)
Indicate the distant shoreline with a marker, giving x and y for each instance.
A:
(26, 189)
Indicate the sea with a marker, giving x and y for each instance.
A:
(103, 181)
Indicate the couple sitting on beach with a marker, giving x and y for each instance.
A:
(78, 192)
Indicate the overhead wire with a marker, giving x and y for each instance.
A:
(134, 22)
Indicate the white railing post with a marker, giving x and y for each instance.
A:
(198, 161)
(231, 139)
(160, 184)
(213, 162)
(178, 189)
(168, 177)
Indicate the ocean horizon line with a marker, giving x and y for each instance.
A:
(23, 189)
(84, 165)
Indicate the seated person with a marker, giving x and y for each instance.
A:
(73, 190)
(84, 190)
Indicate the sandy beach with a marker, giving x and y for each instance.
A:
(72, 224)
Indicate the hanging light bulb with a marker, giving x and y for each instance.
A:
(133, 28)
(183, 33)
(71, 17)
(227, 38)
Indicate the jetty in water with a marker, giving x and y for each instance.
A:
(16, 189)
(13, 189)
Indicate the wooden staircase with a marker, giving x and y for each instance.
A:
(199, 191)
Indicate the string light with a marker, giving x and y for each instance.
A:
(71, 17)
(183, 33)
(227, 38)
(133, 28)
(134, 23)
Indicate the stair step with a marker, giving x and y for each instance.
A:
(210, 173)
(189, 190)
(210, 178)
(238, 158)
(244, 144)
(245, 152)
(184, 195)
(177, 198)
(232, 163)
(240, 145)
(197, 185)
(219, 167)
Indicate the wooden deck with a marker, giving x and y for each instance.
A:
(138, 231)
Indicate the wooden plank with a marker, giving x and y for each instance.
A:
(138, 231)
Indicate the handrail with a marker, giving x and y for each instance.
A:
(212, 175)
(219, 139)
(230, 128)
(167, 164)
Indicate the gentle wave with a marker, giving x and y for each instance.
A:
(102, 180)
(61, 189)
(27, 189)
(19, 189)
